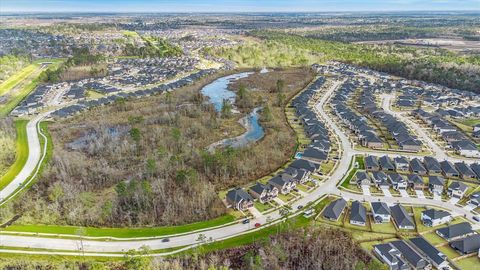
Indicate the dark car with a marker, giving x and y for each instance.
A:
(246, 221)
(300, 207)
(166, 240)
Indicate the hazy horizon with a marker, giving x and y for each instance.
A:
(233, 6)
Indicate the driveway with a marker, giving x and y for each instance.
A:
(366, 190)
(254, 211)
(386, 192)
(280, 202)
(470, 207)
(453, 200)
(437, 197)
(420, 194)
(404, 193)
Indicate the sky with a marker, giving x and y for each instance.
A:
(234, 5)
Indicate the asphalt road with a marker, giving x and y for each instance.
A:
(101, 248)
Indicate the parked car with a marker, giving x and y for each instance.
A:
(246, 221)
(165, 240)
(300, 207)
(257, 225)
(476, 218)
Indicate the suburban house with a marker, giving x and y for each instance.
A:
(305, 164)
(467, 245)
(391, 256)
(465, 171)
(476, 168)
(381, 179)
(386, 164)
(283, 182)
(432, 165)
(448, 169)
(299, 175)
(466, 148)
(314, 154)
(455, 231)
(416, 166)
(436, 184)
(475, 199)
(413, 257)
(371, 163)
(432, 254)
(264, 193)
(402, 218)
(398, 181)
(362, 179)
(433, 217)
(401, 164)
(358, 214)
(457, 189)
(381, 212)
(415, 181)
(239, 199)
(335, 209)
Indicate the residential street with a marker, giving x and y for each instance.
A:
(99, 248)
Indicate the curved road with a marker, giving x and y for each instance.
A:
(106, 248)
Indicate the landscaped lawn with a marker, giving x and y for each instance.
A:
(468, 263)
(384, 227)
(262, 207)
(302, 188)
(286, 197)
(122, 232)
(450, 252)
(433, 238)
(21, 154)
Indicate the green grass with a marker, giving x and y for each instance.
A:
(16, 78)
(286, 197)
(471, 122)
(448, 251)
(468, 263)
(433, 238)
(360, 162)
(387, 227)
(262, 207)
(17, 97)
(122, 232)
(21, 154)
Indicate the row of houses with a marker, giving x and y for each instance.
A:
(365, 133)
(427, 166)
(87, 104)
(436, 184)
(455, 138)
(397, 129)
(417, 253)
(299, 171)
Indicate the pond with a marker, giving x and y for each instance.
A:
(217, 91)
(254, 133)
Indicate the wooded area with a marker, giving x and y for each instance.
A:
(143, 162)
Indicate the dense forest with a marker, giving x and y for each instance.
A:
(143, 162)
(431, 65)
(301, 249)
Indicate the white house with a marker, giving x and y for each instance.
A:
(433, 217)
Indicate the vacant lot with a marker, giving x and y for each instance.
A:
(143, 162)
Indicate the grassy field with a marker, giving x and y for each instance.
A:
(121, 232)
(21, 154)
(26, 81)
(468, 263)
(8, 84)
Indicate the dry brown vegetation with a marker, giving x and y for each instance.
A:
(305, 249)
(142, 162)
(7, 144)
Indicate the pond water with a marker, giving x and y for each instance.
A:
(217, 91)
